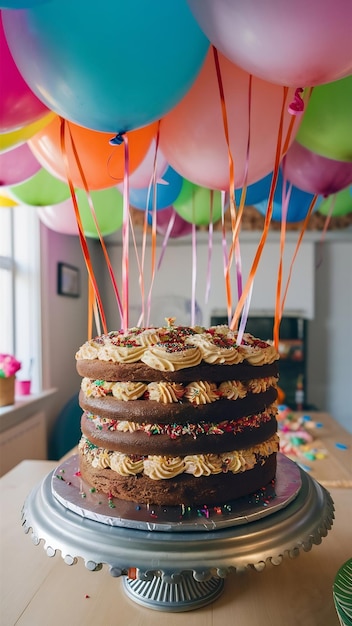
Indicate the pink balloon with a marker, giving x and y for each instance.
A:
(180, 227)
(314, 173)
(19, 106)
(192, 135)
(17, 165)
(60, 218)
(141, 177)
(299, 43)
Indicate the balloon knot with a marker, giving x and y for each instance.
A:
(117, 140)
(296, 107)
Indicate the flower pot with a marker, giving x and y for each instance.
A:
(7, 391)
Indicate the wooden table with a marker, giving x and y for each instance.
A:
(37, 590)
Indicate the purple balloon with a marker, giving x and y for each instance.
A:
(180, 227)
(314, 173)
(17, 165)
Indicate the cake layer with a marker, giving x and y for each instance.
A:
(184, 489)
(181, 412)
(175, 439)
(113, 371)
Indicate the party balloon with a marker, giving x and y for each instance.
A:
(60, 217)
(17, 165)
(5, 201)
(300, 44)
(17, 137)
(20, 4)
(142, 176)
(108, 207)
(19, 105)
(314, 173)
(192, 135)
(338, 204)
(256, 192)
(198, 205)
(167, 190)
(103, 165)
(179, 226)
(42, 189)
(298, 205)
(326, 127)
(121, 67)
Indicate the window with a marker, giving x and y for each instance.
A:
(20, 289)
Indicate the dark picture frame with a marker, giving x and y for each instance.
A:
(68, 280)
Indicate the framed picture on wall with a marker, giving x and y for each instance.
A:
(68, 283)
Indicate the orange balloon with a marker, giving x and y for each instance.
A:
(103, 165)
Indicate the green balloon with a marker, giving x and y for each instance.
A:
(108, 207)
(42, 189)
(326, 127)
(194, 204)
(341, 201)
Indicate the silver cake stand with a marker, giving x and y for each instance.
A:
(176, 558)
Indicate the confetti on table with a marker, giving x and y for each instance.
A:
(341, 446)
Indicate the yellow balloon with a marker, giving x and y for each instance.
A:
(16, 137)
(6, 202)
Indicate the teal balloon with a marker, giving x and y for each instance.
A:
(112, 67)
(167, 190)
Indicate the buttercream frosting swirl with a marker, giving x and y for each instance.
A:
(165, 467)
(176, 347)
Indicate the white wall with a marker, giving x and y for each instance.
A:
(64, 319)
(330, 334)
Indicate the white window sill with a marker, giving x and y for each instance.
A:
(24, 407)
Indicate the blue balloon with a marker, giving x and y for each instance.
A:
(166, 192)
(298, 205)
(113, 67)
(256, 192)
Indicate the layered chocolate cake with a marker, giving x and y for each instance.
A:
(178, 415)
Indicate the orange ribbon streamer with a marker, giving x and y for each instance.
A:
(81, 234)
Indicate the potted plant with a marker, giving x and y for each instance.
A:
(8, 368)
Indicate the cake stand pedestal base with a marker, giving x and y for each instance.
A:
(186, 594)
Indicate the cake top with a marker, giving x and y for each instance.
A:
(171, 348)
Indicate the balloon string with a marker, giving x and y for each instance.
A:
(166, 237)
(93, 213)
(225, 256)
(82, 237)
(325, 229)
(285, 202)
(268, 216)
(295, 108)
(125, 238)
(194, 274)
(245, 311)
(298, 244)
(231, 180)
(210, 247)
(91, 301)
(154, 231)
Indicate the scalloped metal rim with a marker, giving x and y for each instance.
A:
(303, 523)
